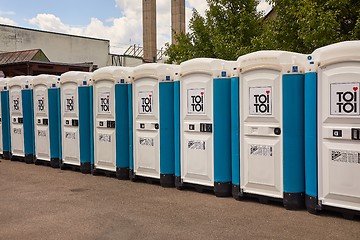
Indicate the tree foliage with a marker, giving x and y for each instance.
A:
(232, 28)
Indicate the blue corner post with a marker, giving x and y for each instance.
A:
(54, 126)
(122, 131)
(222, 137)
(5, 114)
(311, 151)
(177, 138)
(167, 146)
(28, 121)
(293, 141)
(235, 137)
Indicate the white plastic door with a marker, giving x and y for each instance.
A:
(105, 136)
(197, 159)
(70, 124)
(146, 128)
(338, 135)
(17, 128)
(261, 160)
(42, 135)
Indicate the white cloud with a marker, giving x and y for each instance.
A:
(2, 13)
(124, 30)
(7, 21)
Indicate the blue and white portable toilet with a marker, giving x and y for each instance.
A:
(332, 126)
(153, 123)
(47, 112)
(5, 143)
(77, 120)
(271, 120)
(22, 118)
(112, 111)
(204, 126)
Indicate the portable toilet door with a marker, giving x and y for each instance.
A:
(46, 93)
(271, 118)
(333, 129)
(22, 118)
(153, 123)
(5, 143)
(205, 140)
(77, 120)
(112, 87)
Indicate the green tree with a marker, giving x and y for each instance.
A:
(225, 31)
(304, 25)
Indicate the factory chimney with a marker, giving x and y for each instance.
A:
(177, 18)
(149, 30)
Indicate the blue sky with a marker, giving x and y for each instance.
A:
(120, 21)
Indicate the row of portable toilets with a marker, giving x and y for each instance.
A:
(274, 125)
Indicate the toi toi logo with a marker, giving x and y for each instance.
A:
(344, 98)
(146, 104)
(347, 101)
(41, 105)
(262, 102)
(70, 104)
(196, 101)
(16, 104)
(105, 104)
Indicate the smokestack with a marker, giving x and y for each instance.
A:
(149, 30)
(177, 18)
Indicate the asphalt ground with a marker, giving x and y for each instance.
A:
(39, 202)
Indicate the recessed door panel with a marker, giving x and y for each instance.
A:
(16, 120)
(41, 114)
(260, 128)
(146, 128)
(197, 144)
(105, 139)
(339, 135)
(70, 124)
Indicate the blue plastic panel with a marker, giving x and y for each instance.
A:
(122, 125)
(177, 138)
(130, 108)
(5, 114)
(293, 133)
(85, 124)
(28, 117)
(167, 147)
(311, 153)
(235, 131)
(54, 122)
(222, 130)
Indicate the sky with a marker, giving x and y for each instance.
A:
(119, 21)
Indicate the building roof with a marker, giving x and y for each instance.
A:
(23, 56)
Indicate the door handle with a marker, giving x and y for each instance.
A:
(277, 131)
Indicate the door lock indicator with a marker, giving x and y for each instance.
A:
(355, 134)
(67, 122)
(156, 126)
(20, 120)
(39, 120)
(142, 125)
(191, 127)
(75, 122)
(277, 131)
(337, 133)
(45, 121)
(101, 123)
(205, 127)
(110, 124)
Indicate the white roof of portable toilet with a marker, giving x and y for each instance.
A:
(211, 66)
(114, 73)
(277, 60)
(3, 83)
(21, 81)
(76, 77)
(338, 52)
(168, 72)
(46, 79)
(146, 70)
